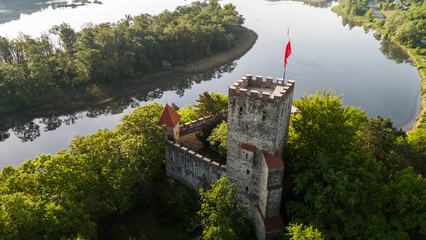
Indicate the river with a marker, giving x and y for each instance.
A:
(327, 52)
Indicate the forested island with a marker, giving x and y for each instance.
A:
(341, 170)
(405, 24)
(39, 70)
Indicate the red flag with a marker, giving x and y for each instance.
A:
(287, 50)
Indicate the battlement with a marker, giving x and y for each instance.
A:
(199, 124)
(191, 168)
(258, 88)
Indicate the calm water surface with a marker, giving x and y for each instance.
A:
(327, 52)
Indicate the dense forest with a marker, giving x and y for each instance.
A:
(405, 26)
(34, 70)
(351, 177)
(67, 194)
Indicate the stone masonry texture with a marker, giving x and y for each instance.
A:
(258, 121)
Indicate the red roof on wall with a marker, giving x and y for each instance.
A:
(168, 117)
(273, 224)
(273, 161)
(248, 147)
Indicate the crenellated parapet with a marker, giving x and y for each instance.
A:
(259, 112)
(262, 89)
(191, 168)
(200, 123)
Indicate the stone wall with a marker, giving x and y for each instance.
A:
(258, 114)
(199, 124)
(258, 119)
(190, 168)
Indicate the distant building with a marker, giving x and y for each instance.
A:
(258, 121)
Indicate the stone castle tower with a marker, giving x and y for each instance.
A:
(258, 121)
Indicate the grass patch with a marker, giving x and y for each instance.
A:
(388, 13)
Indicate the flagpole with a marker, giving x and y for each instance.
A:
(285, 55)
(284, 74)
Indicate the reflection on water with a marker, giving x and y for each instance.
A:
(391, 50)
(325, 4)
(351, 24)
(12, 9)
(27, 129)
(377, 36)
(394, 52)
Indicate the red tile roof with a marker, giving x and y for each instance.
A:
(273, 224)
(168, 117)
(273, 161)
(248, 147)
(275, 187)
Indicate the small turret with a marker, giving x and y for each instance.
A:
(169, 120)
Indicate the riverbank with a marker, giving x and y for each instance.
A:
(418, 59)
(99, 94)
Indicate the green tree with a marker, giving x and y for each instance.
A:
(357, 187)
(323, 125)
(408, 203)
(369, 15)
(64, 195)
(302, 232)
(211, 103)
(223, 217)
(218, 139)
(187, 114)
(391, 147)
(142, 141)
(67, 36)
(406, 34)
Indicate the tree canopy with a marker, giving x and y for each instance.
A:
(353, 178)
(223, 216)
(65, 195)
(302, 232)
(406, 26)
(218, 139)
(208, 103)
